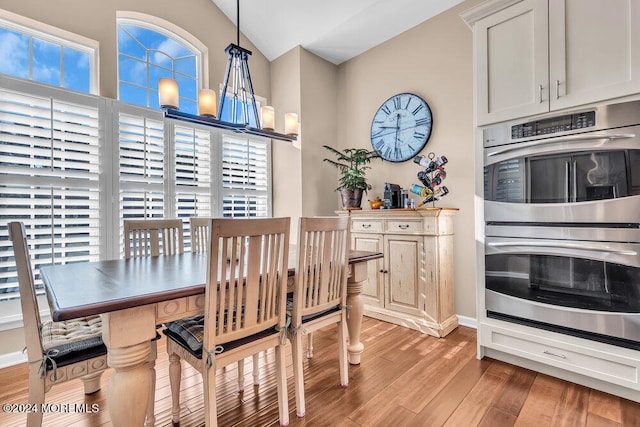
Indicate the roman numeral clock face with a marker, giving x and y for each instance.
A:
(401, 127)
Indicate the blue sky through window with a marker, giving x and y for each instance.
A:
(145, 56)
(45, 61)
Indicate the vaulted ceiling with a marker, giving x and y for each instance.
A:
(336, 30)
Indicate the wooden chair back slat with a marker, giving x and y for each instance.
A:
(152, 237)
(199, 234)
(251, 254)
(322, 269)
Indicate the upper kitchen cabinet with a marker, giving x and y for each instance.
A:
(535, 56)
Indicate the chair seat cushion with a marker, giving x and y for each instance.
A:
(68, 358)
(72, 341)
(185, 338)
(72, 335)
(190, 330)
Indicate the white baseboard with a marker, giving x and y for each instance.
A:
(10, 359)
(470, 322)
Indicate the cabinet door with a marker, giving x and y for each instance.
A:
(594, 50)
(512, 62)
(403, 266)
(373, 287)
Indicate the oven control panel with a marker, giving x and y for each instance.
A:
(554, 125)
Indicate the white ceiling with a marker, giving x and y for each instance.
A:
(336, 30)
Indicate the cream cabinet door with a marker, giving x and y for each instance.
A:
(594, 50)
(373, 287)
(402, 273)
(512, 62)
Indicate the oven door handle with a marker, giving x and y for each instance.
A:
(574, 247)
(559, 140)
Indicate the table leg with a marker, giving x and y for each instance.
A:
(354, 301)
(127, 335)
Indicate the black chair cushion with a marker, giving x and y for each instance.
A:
(189, 330)
(178, 337)
(66, 357)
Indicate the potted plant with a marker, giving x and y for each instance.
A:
(352, 163)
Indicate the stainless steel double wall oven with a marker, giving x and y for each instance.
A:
(562, 223)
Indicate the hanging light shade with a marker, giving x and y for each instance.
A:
(237, 110)
(207, 103)
(291, 124)
(168, 93)
(268, 117)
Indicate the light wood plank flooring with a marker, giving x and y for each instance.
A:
(405, 379)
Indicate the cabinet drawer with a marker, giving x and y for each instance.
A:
(363, 225)
(587, 361)
(405, 226)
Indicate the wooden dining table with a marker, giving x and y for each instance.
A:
(134, 295)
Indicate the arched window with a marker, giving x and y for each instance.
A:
(149, 49)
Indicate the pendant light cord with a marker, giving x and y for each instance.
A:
(238, 21)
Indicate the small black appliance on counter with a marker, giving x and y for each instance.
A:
(392, 196)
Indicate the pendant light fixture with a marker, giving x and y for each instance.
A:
(237, 100)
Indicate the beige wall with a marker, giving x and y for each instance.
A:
(319, 89)
(287, 158)
(304, 82)
(433, 60)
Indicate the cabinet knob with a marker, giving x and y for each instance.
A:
(403, 226)
(384, 271)
(366, 225)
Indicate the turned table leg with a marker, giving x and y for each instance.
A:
(127, 335)
(354, 320)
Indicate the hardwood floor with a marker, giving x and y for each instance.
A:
(405, 379)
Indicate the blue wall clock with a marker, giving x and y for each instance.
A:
(401, 127)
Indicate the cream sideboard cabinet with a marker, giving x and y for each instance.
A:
(412, 285)
(535, 56)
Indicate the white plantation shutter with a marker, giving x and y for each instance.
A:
(246, 183)
(192, 165)
(49, 179)
(65, 156)
(141, 152)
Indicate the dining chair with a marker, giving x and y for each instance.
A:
(56, 351)
(320, 292)
(244, 314)
(199, 227)
(152, 237)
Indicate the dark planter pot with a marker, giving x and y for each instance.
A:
(351, 198)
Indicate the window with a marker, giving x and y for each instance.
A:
(35, 51)
(245, 176)
(152, 186)
(148, 52)
(64, 156)
(49, 179)
(141, 161)
(193, 188)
